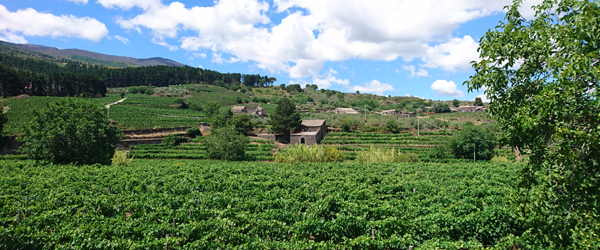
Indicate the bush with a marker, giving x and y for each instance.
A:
(392, 127)
(303, 153)
(472, 138)
(347, 125)
(226, 144)
(149, 91)
(193, 132)
(133, 90)
(382, 155)
(440, 152)
(120, 158)
(173, 140)
(70, 131)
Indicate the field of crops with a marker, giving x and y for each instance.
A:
(254, 205)
(351, 143)
(195, 150)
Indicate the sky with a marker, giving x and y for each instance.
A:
(417, 48)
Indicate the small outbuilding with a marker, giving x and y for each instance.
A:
(249, 110)
(311, 132)
(345, 111)
(406, 114)
(389, 112)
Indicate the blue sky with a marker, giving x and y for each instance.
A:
(387, 47)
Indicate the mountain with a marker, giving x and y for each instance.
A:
(88, 56)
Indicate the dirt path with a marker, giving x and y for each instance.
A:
(108, 105)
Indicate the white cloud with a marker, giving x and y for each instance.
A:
(455, 54)
(413, 72)
(326, 82)
(362, 29)
(120, 38)
(373, 86)
(28, 22)
(201, 55)
(79, 1)
(447, 88)
(128, 4)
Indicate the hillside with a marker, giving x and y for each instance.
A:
(88, 56)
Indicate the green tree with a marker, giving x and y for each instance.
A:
(473, 139)
(3, 121)
(133, 90)
(212, 108)
(392, 127)
(286, 119)
(455, 103)
(70, 131)
(347, 125)
(541, 77)
(122, 94)
(222, 119)
(478, 102)
(242, 123)
(226, 144)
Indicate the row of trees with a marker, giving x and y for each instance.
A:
(19, 75)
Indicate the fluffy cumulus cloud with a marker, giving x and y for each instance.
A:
(458, 53)
(79, 1)
(447, 88)
(29, 22)
(326, 82)
(313, 32)
(414, 72)
(373, 87)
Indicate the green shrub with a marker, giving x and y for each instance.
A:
(193, 132)
(473, 139)
(303, 153)
(500, 159)
(226, 144)
(70, 131)
(120, 158)
(173, 140)
(392, 127)
(347, 125)
(382, 155)
(133, 90)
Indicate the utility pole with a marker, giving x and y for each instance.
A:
(474, 151)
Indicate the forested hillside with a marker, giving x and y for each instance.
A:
(33, 73)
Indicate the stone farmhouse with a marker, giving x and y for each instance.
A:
(311, 132)
(345, 111)
(389, 112)
(406, 114)
(249, 110)
(469, 109)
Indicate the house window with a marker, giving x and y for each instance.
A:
(302, 141)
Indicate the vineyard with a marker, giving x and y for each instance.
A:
(350, 143)
(195, 150)
(157, 204)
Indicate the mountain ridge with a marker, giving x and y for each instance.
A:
(69, 53)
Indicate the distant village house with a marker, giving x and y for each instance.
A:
(406, 114)
(345, 111)
(389, 112)
(469, 109)
(249, 110)
(311, 132)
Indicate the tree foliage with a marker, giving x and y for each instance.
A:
(286, 119)
(226, 144)
(455, 103)
(473, 141)
(70, 131)
(541, 77)
(478, 101)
